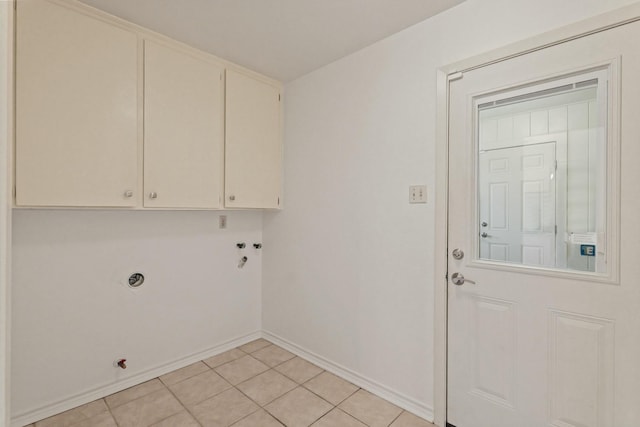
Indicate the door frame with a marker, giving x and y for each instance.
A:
(451, 72)
(6, 186)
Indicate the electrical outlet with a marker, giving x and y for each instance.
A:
(222, 221)
(418, 194)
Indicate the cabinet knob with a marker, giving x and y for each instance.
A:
(153, 195)
(128, 194)
(232, 197)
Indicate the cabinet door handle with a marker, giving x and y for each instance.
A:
(128, 194)
(232, 197)
(153, 195)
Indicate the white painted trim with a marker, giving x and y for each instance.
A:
(440, 262)
(596, 24)
(6, 196)
(570, 32)
(405, 402)
(108, 389)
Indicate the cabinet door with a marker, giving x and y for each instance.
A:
(76, 109)
(184, 134)
(253, 147)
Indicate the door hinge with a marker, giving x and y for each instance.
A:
(556, 229)
(556, 165)
(454, 76)
(279, 97)
(15, 192)
(278, 201)
(446, 275)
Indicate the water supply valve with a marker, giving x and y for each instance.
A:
(242, 262)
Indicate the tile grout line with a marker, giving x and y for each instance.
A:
(184, 379)
(293, 379)
(141, 397)
(323, 415)
(271, 401)
(217, 394)
(132, 400)
(225, 363)
(344, 412)
(248, 415)
(302, 384)
(81, 421)
(352, 416)
(183, 405)
(111, 413)
(272, 368)
(396, 418)
(314, 393)
(186, 407)
(275, 418)
(166, 387)
(339, 403)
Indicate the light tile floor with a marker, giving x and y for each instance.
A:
(256, 385)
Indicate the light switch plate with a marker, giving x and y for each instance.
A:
(418, 194)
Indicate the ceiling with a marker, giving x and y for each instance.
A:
(284, 39)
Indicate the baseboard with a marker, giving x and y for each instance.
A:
(405, 402)
(393, 396)
(38, 414)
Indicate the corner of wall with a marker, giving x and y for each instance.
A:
(6, 138)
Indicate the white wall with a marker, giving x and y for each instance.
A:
(348, 275)
(74, 315)
(347, 265)
(6, 29)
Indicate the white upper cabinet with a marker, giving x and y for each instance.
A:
(76, 109)
(183, 129)
(111, 115)
(253, 147)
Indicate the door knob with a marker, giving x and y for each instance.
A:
(458, 279)
(484, 235)
(457, 254)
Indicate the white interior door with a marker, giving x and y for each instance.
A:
(547, 343)
(518, 222)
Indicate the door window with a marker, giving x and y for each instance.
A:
(541, 174)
